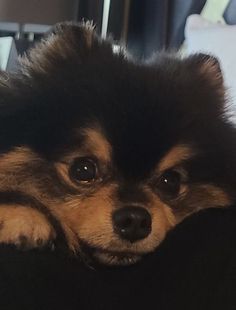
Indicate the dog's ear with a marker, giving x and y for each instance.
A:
(208, 78)
(67, 43)
(209, 69)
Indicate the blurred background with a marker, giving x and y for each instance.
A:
(143, 26)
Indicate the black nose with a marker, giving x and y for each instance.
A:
(132, 223)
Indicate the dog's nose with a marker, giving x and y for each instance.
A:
(132, 223)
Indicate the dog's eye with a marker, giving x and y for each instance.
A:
(83, 170)
(169, 184)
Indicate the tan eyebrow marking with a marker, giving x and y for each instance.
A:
(94, 144)
(175, 156)
(97, 144)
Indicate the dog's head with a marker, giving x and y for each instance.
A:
(119, 152)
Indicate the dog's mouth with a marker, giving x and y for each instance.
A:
(116, 258)
(110, 258)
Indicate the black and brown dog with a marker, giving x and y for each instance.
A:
(110, 152)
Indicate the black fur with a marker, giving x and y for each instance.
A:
(144, 109)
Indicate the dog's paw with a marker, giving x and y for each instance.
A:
(25, 227)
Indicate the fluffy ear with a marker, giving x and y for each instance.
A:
(68, 42)
(207, 80)
(209, 68)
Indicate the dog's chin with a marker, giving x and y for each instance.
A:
(109, 258)
(116, 259)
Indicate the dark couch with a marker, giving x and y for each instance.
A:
(195, 268)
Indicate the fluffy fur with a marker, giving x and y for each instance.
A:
(74, 98)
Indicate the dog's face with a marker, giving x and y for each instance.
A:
(118, 152)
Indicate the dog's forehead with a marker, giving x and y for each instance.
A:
(139, 110)
(130, 157)
(132, 125)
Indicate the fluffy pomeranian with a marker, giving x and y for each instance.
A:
(107, 152)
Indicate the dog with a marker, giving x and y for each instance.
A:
(110, 153)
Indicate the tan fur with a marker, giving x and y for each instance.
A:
(62, 169)
(87, 215)
(163, 219)
(207, 196)
(16, 158)
(91, 219)
(198, 197)
(217, 196)
(94, 144)
(97, 144)
(11, 165)
(22, 224)
(15, 176)
(175, 156)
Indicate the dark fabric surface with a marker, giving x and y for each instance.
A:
(195, 268)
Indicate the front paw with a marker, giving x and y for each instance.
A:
(25, 227)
